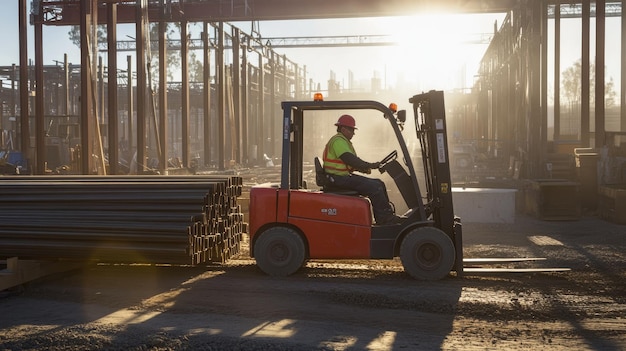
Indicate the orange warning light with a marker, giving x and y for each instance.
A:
(318, 97)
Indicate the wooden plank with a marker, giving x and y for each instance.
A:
(513, 270)
(489, 260)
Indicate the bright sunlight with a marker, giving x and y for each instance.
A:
(440, 51)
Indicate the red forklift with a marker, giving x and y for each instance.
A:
(291, 223)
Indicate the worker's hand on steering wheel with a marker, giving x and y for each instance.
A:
(392, 156)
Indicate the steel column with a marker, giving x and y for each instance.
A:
(100, 89)
(113, 137)
(40, 141)
(296, 87)
(543, 33)
(600, 135)
(163, 112)
(24, 108)
(509, 134)
(130, 119)
(557, 73)
(245, 146)
(184, 58)
(273, 136)
(66, 84)
(221, 109)
(87, 134)
(584, 75)
(14, 78)
(535, 115)
(261, 132)
(236, 94)
(623, 72)
(140, 35)
(299, 82)
(286, 91)
(206, 77)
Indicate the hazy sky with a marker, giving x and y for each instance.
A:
(435, 53)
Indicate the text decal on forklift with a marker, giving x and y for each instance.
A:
(441, 148)
(439, 124)
(286, 129)
(444, 188)
(330, 211)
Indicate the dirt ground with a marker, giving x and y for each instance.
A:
(363, 305)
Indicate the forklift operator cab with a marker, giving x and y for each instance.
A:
(290, 224)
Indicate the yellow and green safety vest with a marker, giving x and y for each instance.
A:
(337, 146)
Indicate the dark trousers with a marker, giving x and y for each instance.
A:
(374, 189)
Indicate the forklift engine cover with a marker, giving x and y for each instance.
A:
(342, 223)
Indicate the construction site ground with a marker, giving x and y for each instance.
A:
(341, 305)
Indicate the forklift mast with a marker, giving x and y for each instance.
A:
(430, 123)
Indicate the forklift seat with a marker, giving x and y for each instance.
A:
(321, 179)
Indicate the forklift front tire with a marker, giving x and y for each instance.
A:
(427, 253)
(279, 251)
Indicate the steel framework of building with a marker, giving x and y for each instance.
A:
(512, 89)
(513, 72)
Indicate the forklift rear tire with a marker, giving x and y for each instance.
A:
(427, 253)
(279, 251)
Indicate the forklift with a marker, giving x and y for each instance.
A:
(290, 223)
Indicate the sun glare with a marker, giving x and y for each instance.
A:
(436, 50)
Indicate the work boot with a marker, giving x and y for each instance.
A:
(391, 219)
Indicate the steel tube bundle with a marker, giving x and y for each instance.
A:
(121, 219)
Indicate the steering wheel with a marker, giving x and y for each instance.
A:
(392, 156)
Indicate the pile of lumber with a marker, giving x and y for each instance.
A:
(121, 219)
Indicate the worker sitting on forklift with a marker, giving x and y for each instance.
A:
(340, 161)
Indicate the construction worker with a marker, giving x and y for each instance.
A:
(340, 161)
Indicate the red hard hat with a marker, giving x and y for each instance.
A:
(346, 121)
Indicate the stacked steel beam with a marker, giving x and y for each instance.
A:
(122, 219)
(215, 235)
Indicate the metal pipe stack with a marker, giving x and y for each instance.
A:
(215, 235)
(121, 219)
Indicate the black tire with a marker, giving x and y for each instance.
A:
(427, 253)
(279, 251)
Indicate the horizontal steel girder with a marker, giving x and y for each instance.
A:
(64, 12)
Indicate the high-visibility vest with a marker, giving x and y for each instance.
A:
(335, 147)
